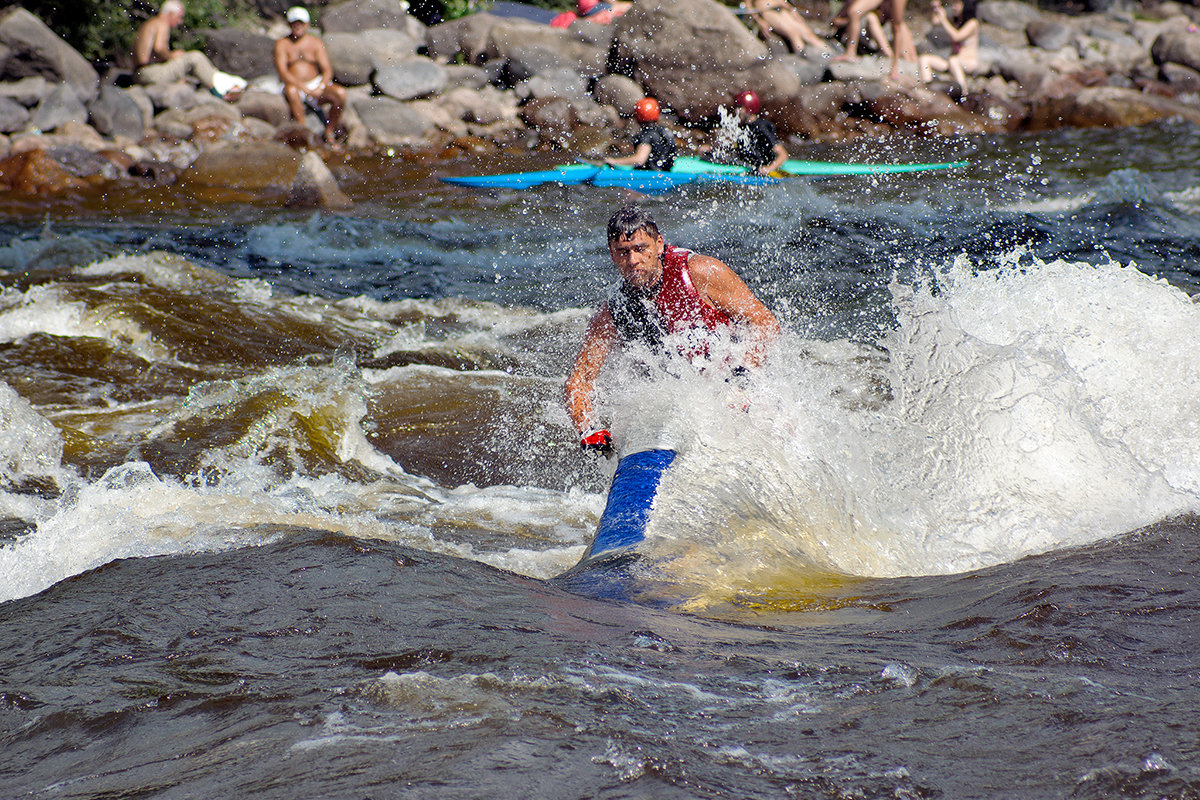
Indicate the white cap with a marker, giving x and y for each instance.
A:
(297, 14)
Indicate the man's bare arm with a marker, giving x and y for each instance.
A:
(281, 64)
(722, 287)
(600, 338)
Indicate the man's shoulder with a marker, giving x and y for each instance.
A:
(703, 268)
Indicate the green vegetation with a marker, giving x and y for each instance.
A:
(103, 30)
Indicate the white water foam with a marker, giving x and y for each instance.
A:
(1032, 407)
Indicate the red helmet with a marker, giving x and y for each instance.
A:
(646, 110)
(749, 101)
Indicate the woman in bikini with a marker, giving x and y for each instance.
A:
(964, 43)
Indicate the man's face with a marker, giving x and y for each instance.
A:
(638, 258)
(299, 27)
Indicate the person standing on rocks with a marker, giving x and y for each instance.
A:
(856, 13)
(654, 146)
(156, 62)
(307, 76)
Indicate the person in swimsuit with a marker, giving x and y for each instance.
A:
(781, 17)
(664, 291)
(964, 43)
(654, 146)
(307, 76)
(857, 13)
(156, 62)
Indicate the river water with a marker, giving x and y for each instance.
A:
(285, 494)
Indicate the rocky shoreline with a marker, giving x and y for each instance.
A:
(486, 81)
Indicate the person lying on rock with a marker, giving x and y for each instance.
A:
(654, 146)
(781, 18)
(155, 61)
(307, 75)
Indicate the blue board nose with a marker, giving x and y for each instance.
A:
(634, 486)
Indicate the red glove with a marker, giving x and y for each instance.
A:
(600, 441)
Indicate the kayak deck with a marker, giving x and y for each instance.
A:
(687, 170)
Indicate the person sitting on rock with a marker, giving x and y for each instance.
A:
(781, 18)
(307, 75)
(156, 62)
(654, 146)
(964, 43)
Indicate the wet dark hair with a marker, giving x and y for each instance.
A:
(968, 11)
(628, 220)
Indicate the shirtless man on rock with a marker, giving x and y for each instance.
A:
(307, 76)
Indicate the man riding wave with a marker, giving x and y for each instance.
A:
(665, 291)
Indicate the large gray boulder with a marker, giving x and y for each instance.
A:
(694, 55)
(410, 80)
(1049, 34)
(13, 116)
(240, 52)
(1177, 46)
(466, 36)
(27, 91)
(390, 122)
(356, 56)
(529, 48)
(619, 92)
(1008, 14)
(361, 15)
(30, 48)
(58, 108)
(116, 113)
(267, 106)
(486, 106)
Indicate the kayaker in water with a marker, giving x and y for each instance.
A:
(654, 146)
(755, 144)
(664, 291)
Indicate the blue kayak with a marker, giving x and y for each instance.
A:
(687, 170)
(642, 180)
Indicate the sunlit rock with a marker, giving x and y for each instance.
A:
(249, 165)
(410, 80)
(1107, 107)
(62, 105)
(115, 112)
(315, 186)
(36, 172)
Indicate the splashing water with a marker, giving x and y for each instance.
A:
(1022, 409)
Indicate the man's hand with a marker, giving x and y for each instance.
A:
(600, 441)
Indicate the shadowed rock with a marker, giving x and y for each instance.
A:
(31, 48)
(115, 113)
